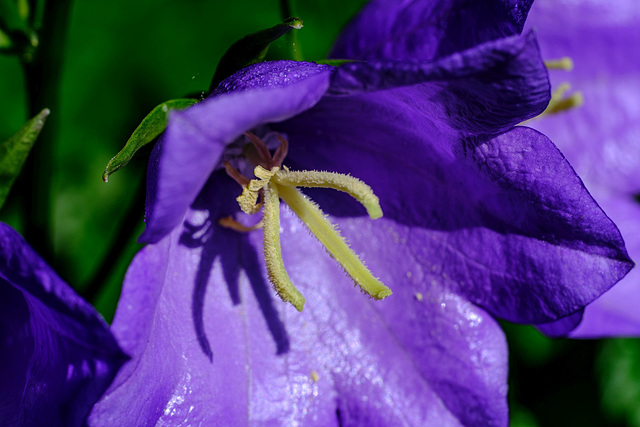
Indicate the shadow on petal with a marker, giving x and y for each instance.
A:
(234, 252)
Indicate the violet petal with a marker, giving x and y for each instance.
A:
(600, 137)
(371, 368)
(58, 355)
(486, 89)
(505, 219)
(427, 30)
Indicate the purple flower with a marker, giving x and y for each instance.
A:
(600, 138)
(57, 354)
(481, 219)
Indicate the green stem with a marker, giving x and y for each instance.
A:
(42, 73)
(286, 11)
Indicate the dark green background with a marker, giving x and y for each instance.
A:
(122, 58)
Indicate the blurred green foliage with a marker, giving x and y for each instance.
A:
(123, 58)
(618, 369)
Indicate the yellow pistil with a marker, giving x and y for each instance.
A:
(347, 183)
(314, 219)
(272, 252)
(274, 184)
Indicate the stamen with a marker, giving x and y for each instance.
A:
(235, 174)
(260, 146)
(229, 222)
(559, 103)
(347, 183)
(315, 220)
(565, 63)
(248, 200)
(281, 151)
(272, 252)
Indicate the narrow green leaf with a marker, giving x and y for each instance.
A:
(15, 150)
(148, 130)
(251, 49)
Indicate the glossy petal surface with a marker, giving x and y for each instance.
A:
(57, 353)
(600, 139)
(437, 360)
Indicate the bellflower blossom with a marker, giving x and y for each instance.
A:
(57, 353)
(601, 139)
(481, 219)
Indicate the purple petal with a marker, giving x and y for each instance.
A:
(486, 89)
(616, 313)
(426, 30)
(560, 328)
(201, 291)
(57, 353)
(600, 138)
(193, 143)
(505, 221)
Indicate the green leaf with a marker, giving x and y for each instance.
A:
(251, 49)
(148, 130)
(15, 150)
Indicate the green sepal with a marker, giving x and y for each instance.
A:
(15, 150)
(148, 130)
(250, 50)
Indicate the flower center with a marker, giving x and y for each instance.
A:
(274, 182)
